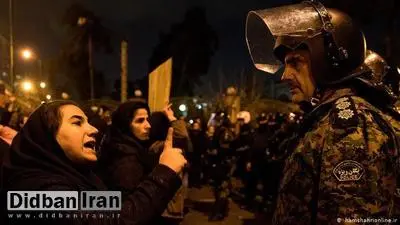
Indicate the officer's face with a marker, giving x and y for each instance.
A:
(298, 75)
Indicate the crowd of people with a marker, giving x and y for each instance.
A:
(246, 152)
(123, 151)
(57, 149)
(63, 146)
(339, 158)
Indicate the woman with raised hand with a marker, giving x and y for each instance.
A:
(124, 156)
(160, 122)
(55, 151)
(129, 155)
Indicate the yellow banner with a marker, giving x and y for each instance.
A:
(160, 86)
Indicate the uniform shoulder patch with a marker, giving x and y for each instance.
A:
(348, 170)
(344, 113)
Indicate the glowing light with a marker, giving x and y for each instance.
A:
(26, 54)
(48, 97)
(42, 84)
(182, 108)
(82, 21)
(138, 93)
(64, 95)
(94, 108)
(27, 86)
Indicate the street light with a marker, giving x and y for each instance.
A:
(42, 84)
(27, 86)
(182, 108)
(27, 54)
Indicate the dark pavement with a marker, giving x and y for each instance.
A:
(200, 201)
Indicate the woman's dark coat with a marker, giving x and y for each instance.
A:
(36, 162)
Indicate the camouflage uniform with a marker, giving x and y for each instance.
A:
(342, 167)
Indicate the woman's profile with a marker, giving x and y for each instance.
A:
(55, 151)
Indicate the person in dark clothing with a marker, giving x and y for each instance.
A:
(5, 115)
(222, 170)
(211, 148)
(242, 144)
(199, 141)
(160, 122)
(54, 151)
(256, 164)
(124, 159)
(3, 147)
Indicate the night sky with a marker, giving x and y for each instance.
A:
(37, 24)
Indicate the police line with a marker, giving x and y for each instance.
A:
(64, 201)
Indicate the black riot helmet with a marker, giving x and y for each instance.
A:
(337, 46)
(374, 71)
(378, 66)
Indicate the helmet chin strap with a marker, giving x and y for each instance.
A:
(316, 98)
(308, 105)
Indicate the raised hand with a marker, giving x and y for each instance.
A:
(172, 157)
(169, 112)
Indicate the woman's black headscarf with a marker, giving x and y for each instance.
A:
(121, 142)
(120, 128)
(123, 115)
(36, 155)
(120, 134)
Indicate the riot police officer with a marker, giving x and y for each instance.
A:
(343, 163)
(221, 162)
(258, 160)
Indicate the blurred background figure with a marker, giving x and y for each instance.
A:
(199, 140)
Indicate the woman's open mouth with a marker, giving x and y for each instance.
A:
(90, 145)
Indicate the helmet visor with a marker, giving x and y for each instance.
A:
(268, 29)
